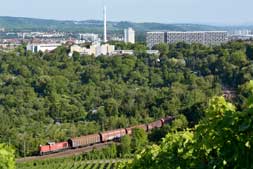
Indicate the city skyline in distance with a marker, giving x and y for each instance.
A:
(227, 12)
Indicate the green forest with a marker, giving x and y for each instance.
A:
(51, 97)
(222, 139)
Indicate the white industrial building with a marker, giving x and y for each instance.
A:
(89, 37)
(95, 49)
(129, 35)
(42, 47)
(105, 49)
(131, 52)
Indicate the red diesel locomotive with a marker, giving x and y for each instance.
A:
(53, 147)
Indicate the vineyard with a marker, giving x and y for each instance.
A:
(67, 164)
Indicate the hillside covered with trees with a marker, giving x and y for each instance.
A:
(51, 97)
(223, 139)
(96, 26)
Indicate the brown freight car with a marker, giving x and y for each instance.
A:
(168, 119)
(155, 124)
(129, 130)
(112, 135)
(84, 140)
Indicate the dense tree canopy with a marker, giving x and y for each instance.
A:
(139, 139)
(51, 97)
(7, 157)
(125, 145)
(223, 139)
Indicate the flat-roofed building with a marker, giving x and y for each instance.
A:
(129, 35)
(79, 49)
(89, 37)
(42, 47)
(201, 37)
(95, 49)
(216, 37)
(107, 49)
(187, 37)
(154, 38)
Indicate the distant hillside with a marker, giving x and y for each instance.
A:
(31, 24)
(96, 26)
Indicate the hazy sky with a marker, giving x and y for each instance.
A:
(166, 11)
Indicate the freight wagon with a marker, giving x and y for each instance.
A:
(168, 119)
(112, 135)
(84, 140)
(155, 124)
(142, 126)
(101, 137)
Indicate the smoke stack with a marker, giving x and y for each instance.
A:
(105, 26)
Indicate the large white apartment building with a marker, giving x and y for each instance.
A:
(129, 35)
(188, 37)
(154, 38)
(215, 37)
(202, 37)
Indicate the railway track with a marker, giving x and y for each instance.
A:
(105, 137)
(67, 153)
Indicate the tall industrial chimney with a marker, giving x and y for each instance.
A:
(105, 27)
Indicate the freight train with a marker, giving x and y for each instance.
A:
(102, 137)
